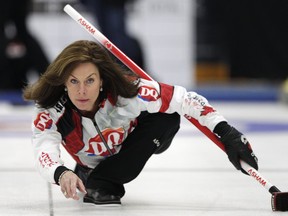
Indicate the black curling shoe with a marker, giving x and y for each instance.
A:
(101, 197)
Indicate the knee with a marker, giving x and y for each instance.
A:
(169, 122)
(161, 125)
(170, 125)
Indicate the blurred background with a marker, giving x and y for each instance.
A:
(225, 50)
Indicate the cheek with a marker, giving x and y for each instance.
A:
(94, 93)
(71, 93)
(96, 87)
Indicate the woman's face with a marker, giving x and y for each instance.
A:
(83, 86)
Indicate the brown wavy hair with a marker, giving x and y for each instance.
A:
(117, 80)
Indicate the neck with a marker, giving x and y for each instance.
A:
(90, 114)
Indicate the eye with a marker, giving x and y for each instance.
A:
(90, 80)
(73, 81)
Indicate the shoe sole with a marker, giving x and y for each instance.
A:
(103, 203)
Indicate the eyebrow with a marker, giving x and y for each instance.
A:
(85, 78)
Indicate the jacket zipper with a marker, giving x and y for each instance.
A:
(102, 137)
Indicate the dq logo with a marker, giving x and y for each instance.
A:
(148, 94)
(113, 138)
(43, 121)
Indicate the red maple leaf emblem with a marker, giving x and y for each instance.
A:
(206, 110)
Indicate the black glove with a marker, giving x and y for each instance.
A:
(237, 146)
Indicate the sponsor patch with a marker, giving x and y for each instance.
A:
(113, 138)
(43, 121)
(147, 93)
(45, 160)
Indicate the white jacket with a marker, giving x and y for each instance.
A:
(62, 124)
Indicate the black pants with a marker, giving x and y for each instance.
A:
(153, 134)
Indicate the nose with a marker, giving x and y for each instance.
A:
(82, 89)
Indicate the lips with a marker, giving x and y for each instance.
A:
(82, 100)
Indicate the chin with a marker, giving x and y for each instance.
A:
(83, 108)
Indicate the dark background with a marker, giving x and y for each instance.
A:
(250, 37)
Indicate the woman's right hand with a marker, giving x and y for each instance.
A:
(69, 182)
